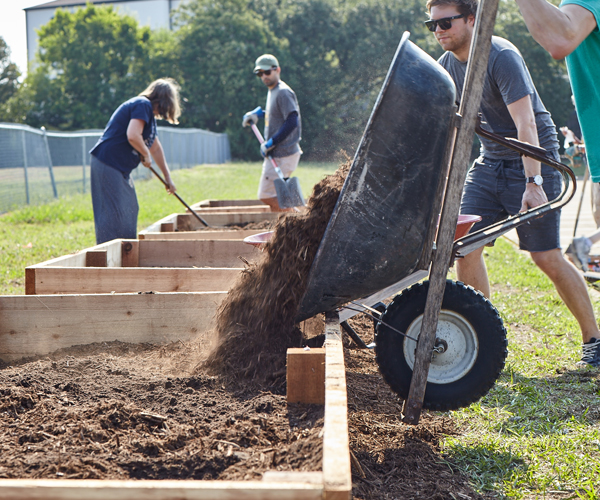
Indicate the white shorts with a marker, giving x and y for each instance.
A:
(287, 164)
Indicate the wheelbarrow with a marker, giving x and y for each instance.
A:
(380, 238)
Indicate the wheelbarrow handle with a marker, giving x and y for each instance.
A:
(473, 241)
(261, 140)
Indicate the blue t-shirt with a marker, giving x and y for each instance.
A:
(113, 148)
(583, 65)
(507, 81)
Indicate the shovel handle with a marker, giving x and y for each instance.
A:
(180, 198)
(261, 140)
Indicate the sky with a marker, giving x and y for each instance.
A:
(12, 29)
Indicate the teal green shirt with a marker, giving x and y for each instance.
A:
(583, 65)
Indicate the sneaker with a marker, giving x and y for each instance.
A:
(591, 353)
(579, 252)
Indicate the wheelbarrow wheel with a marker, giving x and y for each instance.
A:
(470, 332)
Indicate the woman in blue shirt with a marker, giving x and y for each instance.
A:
(128, 139)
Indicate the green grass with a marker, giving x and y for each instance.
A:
(537, 433)
(36, 233)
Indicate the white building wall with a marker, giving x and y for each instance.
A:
(152, 13)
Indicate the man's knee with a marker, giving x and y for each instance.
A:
(550, 262)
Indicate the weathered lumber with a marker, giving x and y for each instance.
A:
(227, 203)
(337, 476)
(93, 489)
(187, 222)
(39, 324)
(225, 210)
(469, 107)
(305, 375)
(198, 253)
(73, 280)
(232, 234)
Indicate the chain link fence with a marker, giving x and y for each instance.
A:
(37, 166)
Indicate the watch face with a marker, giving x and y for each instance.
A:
(538, 179)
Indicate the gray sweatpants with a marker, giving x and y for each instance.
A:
(114, 202)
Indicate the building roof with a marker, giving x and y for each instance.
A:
(55, 4)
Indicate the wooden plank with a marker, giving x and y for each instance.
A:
(167, 227)
(130, 253)
(155, 227)
(227, 203)
(337, 475)
(96, 258)
(94, 489)
(39, 324)
(69, 280)
(190, 253)
(187, 222)
(30, 281)
(77, 259)
(232, 234)
(469, 108)
(305, 375)
(293, 476)
(232, 210)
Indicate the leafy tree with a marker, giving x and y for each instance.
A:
(9, 74)
(89, 61)
(218, 42)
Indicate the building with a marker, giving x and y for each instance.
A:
(152, 13)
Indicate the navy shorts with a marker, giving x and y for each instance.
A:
(494, 190)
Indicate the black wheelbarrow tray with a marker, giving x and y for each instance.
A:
(380, 238)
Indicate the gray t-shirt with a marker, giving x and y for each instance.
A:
(281, 101)
(508, 80)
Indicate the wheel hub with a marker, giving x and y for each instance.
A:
(455, 350)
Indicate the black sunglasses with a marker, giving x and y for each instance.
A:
(445, 23)
(266, 72)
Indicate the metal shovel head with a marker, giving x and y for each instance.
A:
(289, 194)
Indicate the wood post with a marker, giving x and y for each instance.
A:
(96, 258)
(469, 108)
(306, 375)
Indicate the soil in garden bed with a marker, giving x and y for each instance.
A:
(122, 411)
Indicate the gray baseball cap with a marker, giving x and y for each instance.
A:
(266, 61)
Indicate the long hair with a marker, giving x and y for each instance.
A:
(164, 96)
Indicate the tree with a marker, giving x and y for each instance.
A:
(218, 42)
(9, 74)
(89, 61)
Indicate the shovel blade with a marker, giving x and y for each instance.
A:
(289, 194)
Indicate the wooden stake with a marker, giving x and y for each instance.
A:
(469, 108)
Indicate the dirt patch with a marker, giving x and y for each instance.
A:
(256, 321)
(116, 411)
(393, 460)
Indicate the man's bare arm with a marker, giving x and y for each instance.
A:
(559, 31)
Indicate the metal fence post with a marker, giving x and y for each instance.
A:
(54, 191)
(25, 166)
(83, 159)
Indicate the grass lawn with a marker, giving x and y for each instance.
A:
(34, 234)
(535, 435)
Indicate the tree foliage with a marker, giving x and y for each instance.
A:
(333, 53)
(9, 74)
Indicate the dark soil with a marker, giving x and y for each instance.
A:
(121, 411)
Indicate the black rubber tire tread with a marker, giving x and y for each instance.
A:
(483, 318)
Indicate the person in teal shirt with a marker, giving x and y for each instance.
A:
(571, 31)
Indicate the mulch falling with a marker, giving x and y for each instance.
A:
(256, 322)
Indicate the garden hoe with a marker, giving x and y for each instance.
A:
(193, 212)
(288, 190)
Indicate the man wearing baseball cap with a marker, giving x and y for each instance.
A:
(283, 128)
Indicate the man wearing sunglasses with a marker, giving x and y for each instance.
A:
(500, 182)
(283, 128)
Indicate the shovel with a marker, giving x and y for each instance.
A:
(289, 194)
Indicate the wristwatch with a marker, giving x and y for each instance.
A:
(536, 179)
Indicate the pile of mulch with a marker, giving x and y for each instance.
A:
(125, 411)
(390, 459)
(256, 322)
